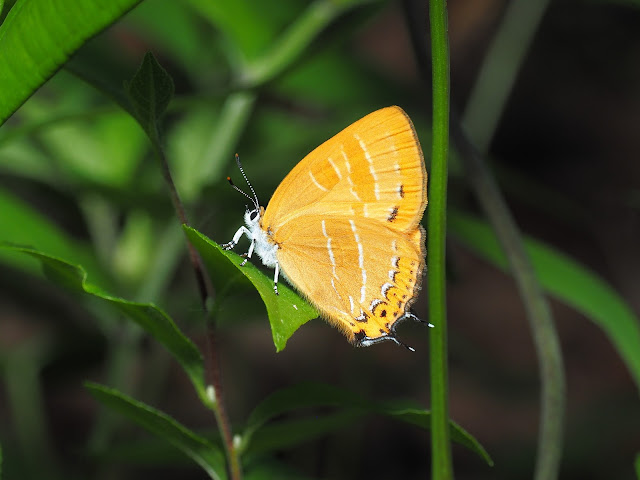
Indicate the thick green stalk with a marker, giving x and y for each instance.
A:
(437, 225)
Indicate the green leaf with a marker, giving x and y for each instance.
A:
(203, 452)
(567, 280)
(287, 311)
(292, 44)
(313, 395)
(270, 469)
(637, 465)
(150, 91)
(103, 150)
(153, 320)
(248, 25)
(284, 435)
(20, 224)
(38, 37)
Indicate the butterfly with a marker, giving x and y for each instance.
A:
(343, 227)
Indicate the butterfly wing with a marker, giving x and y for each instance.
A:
(361, 275)
(372, 169)
(346, 225)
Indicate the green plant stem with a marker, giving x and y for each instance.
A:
(442, 467)
(294, 41)
(219, 410)
(539, 315)
(22, 368)
(213, 371)
(499, 70)
(182, 216)
(231, 123)
(486, 104)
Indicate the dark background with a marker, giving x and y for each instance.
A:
(566, 155)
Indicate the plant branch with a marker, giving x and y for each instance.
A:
(442, 467)
(486, 104)
(500, 68)
(539, 315)
(213, 369)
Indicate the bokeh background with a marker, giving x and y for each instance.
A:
(565, 152)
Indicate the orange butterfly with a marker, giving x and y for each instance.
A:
(344, 226)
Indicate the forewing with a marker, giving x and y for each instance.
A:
(360, 274)
(372, 169)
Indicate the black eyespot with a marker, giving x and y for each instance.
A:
(253, 215)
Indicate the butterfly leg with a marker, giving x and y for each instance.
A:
(275, 278)
(247, 255)
(236, 238)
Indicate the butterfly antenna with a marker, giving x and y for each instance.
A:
(244, 175)
(235, 187)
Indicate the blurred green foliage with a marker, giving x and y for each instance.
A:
(81, 189)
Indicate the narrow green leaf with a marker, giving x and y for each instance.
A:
(313, 395)
(422, 418)
(268, 469)
(305, 395)
(287, 311)
(637, 465)
(38, 37)
(153, 320)
(22, 225)
(203, 452)
(284, 435)
(295, 40)
(246, 24)
(566, 279)
(150, 91)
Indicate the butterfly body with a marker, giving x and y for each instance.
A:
(343, 226)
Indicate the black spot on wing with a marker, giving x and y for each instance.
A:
(392, 216)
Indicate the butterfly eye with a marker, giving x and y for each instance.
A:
(253, 215)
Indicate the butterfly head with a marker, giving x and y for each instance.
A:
(252, 216)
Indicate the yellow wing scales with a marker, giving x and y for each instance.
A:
(373, 168)
(346, 224)
(363, 292)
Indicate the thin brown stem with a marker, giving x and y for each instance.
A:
(219, 409)
(211, 351)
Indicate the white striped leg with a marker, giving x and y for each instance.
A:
(275, 279)
(247, 255)
(236, 238)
